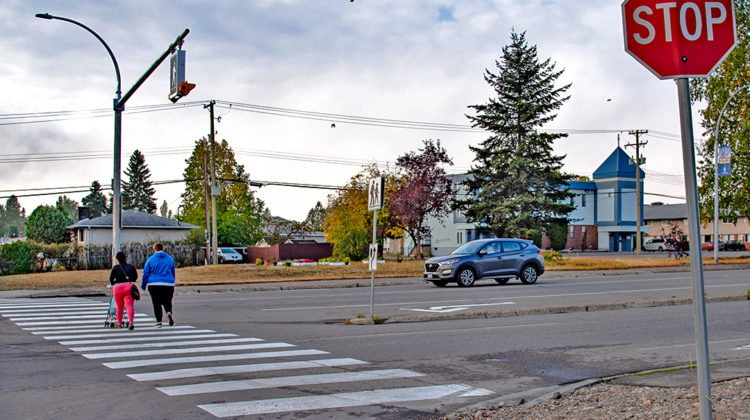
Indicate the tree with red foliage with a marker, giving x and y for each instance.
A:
(425, 191)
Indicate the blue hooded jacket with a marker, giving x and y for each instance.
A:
(158, 271)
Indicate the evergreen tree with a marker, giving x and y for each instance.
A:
(315, 218)
(138, 190)
(14, 217)
(96, 201)
(3, 222)
(731, 77)
(69, 207)
(164, 210)
(516, 186)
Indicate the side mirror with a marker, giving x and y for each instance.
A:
(482, 253)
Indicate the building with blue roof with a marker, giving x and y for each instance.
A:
(603, 219)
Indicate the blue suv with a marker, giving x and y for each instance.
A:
(499, 259)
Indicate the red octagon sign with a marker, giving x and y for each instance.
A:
(680, 38)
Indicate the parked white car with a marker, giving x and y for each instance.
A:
(229, 255)
(655, 244)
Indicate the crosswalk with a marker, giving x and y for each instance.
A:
(202, 362)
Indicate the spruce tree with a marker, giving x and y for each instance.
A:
(516, 186)
(95, 201)
(15, 217)
(138, 191)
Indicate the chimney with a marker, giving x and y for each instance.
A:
(83, 213)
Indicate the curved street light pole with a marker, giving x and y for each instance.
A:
(716, 174)
(118, 108)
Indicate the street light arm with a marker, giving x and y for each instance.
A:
(111, 54)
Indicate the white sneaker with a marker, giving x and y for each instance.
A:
(157, 325)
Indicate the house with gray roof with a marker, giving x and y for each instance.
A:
(137, 226)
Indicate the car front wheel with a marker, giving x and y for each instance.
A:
(529, 274)
(465, 277)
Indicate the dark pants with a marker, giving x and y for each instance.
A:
(161, 296)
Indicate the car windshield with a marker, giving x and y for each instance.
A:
(468, 248)
(228, 251)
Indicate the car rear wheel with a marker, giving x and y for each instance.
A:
(661, 249)
(465, 277)
(501, 281)
(529, 274)
(440, 283)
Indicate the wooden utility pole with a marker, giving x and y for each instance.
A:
(214, 189)
(638, 204)
(206, 192)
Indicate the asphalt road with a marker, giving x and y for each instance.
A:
(287, 354)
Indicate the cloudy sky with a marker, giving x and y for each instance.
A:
(390, 59)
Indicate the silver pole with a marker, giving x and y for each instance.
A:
(716, 174)
(372, 275)
(696, 260)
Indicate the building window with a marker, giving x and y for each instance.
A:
(666, 222)
(707, 238)
(583, 200)
(459, 237)
(81, 235)
(649, 222)
(572, 231)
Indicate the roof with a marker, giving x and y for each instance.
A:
(581, 185)
(134, 219)
(665, 212)
(617, 165)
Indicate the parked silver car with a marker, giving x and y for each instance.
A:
(499, 259)
(655, 244)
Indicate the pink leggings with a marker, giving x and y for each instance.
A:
(122, 297)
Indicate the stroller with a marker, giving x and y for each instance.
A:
(111, 320)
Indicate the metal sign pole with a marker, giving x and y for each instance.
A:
(372, 271)
(696, 260)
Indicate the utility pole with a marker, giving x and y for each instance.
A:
(206, 192)
(214, 189)
(638, 144)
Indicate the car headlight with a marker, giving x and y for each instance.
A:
(448, 263)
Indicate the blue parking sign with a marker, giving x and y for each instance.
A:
(725, 170)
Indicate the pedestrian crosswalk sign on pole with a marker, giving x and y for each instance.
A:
(373, 257)
(375, 194)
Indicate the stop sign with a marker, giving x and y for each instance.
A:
(679, 38)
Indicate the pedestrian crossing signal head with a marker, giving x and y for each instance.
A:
(182, 90)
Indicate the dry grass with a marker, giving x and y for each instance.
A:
(247, 273)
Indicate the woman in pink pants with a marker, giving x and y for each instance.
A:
(123, 277)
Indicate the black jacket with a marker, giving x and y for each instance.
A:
(123, 273)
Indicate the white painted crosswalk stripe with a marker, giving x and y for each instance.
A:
(100, 312)
(213, 358)
(167, 344)
(134, 339)
(257, 367)
(98, 328)
(60, 305)
(326, 378)
(164, 352)
(74, 322)
(46, 310)
(346, 399)
(54, 335)
(66, 317)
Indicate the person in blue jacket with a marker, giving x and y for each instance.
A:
(158, 276)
